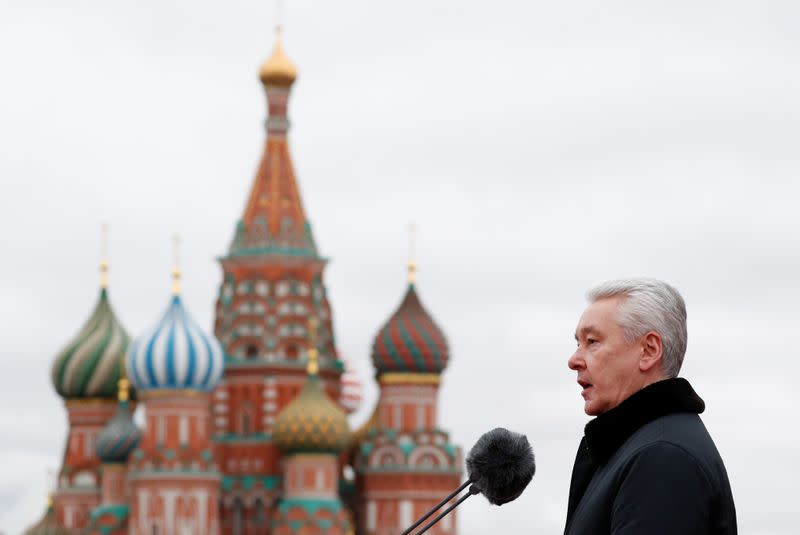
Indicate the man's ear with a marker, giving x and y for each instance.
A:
(652, 351)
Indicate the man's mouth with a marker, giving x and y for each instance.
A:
(585, 385)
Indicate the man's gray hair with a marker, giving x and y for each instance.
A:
(650, 305)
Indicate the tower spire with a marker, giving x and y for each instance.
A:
(123, 385)
(313, 352)
(52, 484)
(412, 265)
(274, 221)
(176, 269)
(278, 70)
(104, 256)
(278, 15)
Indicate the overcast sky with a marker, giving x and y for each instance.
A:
(540, 147)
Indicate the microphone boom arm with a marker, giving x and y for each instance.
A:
(452, 495)
(500, 465)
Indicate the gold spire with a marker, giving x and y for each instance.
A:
(176, 270)
(104, 256)
(313, 353)
(123, 385)
(278, 70)
(412, 265)
(52, 484)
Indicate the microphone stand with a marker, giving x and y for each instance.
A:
(472, 491)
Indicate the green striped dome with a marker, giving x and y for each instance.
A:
(89, 366)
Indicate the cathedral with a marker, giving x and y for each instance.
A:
(246, 429)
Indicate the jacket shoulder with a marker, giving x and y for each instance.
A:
(685, 433)
(666, 478)
(663, 489)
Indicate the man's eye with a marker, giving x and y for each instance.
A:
(590, 341)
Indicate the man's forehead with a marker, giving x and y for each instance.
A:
(598, 314)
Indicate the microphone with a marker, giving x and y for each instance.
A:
(499, 466)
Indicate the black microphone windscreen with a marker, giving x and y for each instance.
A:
(501, 465)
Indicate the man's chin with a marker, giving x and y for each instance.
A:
(591, 409)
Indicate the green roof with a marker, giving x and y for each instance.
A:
(90, 365)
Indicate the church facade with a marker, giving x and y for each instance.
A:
(246, 428)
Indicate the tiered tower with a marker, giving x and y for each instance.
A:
(404, 462)
(85, 374)
(272, 284)
(174, 479)
(311, 432)
(114, 444)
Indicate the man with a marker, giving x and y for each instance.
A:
(646, 464)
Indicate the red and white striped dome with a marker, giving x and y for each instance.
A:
(350, 396)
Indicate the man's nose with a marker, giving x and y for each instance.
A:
(575, 362)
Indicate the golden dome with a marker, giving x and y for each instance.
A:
(312, 422)
(278, 70)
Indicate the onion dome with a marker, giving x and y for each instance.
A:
(410, 342)
(350, 397)
(312, 422)
(88, 367)
(120, 436)
(48, 525)
(175, 353)
(278, 70)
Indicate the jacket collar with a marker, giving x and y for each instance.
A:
(606, 433)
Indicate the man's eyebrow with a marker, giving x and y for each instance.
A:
(584, 330)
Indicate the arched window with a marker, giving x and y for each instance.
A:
(291, 352)
(259, 513)
(84, 479)
(245, 420)
(238, 517)
(251, 352)
(183, 430)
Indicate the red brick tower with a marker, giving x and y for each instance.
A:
(173, 475)
(311, 432)
(85, 374)
(272, 284)
(404, 463)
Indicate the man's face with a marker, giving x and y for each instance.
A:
(607, 365)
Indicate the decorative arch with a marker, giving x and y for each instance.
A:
(422, 455)
(387, 455)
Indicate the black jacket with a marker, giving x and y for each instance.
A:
(649, 466)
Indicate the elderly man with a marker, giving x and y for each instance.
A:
(646, 464)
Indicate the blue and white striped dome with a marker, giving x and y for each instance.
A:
(175, 354)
